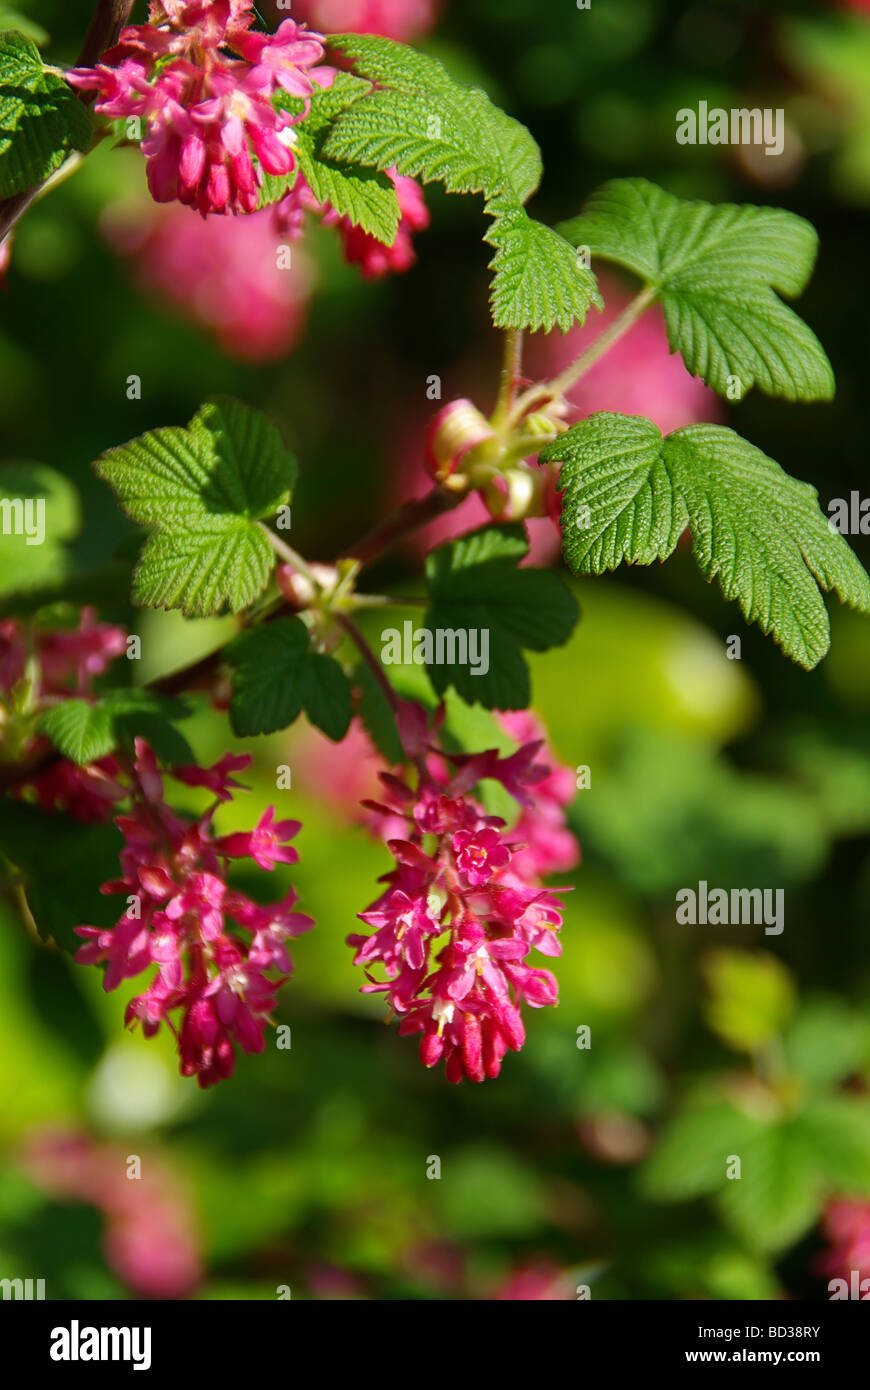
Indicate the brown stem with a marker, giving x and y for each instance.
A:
(109, 18)
(408, 517)
(370, 660)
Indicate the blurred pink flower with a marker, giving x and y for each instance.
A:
(149, 1237)
(402, 20)
(226, 275)
(638, 376)
(535, 1283)
(846, 1227)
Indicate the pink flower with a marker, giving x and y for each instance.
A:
(403, 20)
(637, 376)
(479, 853)
(212, 128)
(536, 1283)
(465, 1002)
(218, 779)
(79, 655)
(548, 846)
(263, 843)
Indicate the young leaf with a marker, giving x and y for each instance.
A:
(539, 281)
(691, 1156)
(203, 490)
(81, 731)
(628, 494)
(779, 1193)
(85, 731)
(429, 126)
(717, 271)
(423, 123)
(836, 1129)
(41, 119)
(277, 675)
(752, 997)
(365, 197)
(45, 503)
(477, 594)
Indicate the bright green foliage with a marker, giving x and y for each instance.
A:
(628, 494)
(41, 118)
(203, 491)
(719, 271)
(751, 997)
(85, 731)
(475, 583)
(25, 565)
(364, 196)
(428, 126)
(277, 675)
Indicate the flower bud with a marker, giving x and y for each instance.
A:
(456, 429)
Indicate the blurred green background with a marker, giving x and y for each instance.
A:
(309, 1169)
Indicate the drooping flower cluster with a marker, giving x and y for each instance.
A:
(203, 81)
(178, 903)
(374, 258)
(460, 873)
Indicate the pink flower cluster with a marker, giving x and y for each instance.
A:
(203, 82)
(374, 258)
(177, 906)
(459, 872)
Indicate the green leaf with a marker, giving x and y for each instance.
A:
(752, 997)
(779, 1193)
(277, 675)
(14, 19)
(203, 489)
(84, 731)
(25, 566)
(692, 1156)
(80, 731)
(718, 272)
(366, 197)
(81, 858)
(429, 126)
(326, 695)
(41, 118)
(826, 1043)
(836, 1130)
(628, 494)
(422, 122)
(474, 584)
(539, 281)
